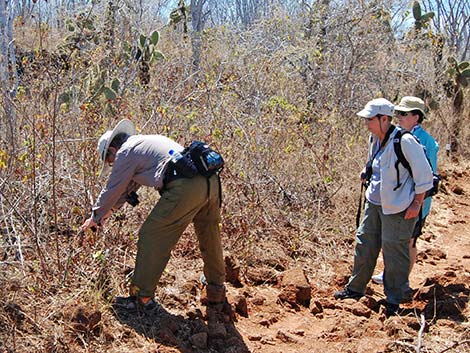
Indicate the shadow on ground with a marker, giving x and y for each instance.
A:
(195, 333)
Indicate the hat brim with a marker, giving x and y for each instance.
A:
(408, 109)
(365, 113)
(124, 126)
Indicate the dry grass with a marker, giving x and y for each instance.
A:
(281, 110)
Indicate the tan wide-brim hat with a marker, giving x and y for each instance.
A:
(124, 126)
(409, 103)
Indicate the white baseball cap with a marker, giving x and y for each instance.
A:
(378, 106)
(124, 126)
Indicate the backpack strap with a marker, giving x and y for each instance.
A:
(400, 156)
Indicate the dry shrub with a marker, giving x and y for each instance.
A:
(280, 107)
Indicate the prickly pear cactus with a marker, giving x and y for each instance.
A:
(421, 20)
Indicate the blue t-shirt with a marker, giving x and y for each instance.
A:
(430, 147)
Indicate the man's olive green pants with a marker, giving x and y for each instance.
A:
(182, 201)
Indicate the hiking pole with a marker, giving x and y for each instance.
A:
(359, 209)
(364, 183)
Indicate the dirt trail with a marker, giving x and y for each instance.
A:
(441, 279)
(295, 311)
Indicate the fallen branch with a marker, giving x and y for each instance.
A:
(406, 344)
(456, 344)
(420, 334)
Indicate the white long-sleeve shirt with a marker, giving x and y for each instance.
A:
(396, 201)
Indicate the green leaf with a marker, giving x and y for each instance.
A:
(154, 37)
(462, 80)
(109, 93)
(65, 97)
(451, 60)
(126, 47)
(426, 17)
(463, 65)
(142, 40)
(416, 10)
(115, 85)
(451, 72)
(465, 73)
(158, 55)
(89, 25)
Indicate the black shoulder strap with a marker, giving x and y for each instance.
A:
(397, 147)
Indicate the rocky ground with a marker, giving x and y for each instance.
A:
(293, 310)
(290, 312)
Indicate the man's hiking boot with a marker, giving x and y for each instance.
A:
(134, 303)
(346, 293)
(212, 293)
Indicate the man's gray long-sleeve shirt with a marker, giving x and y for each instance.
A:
(141, 160)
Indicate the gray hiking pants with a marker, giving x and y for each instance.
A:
(392, 234)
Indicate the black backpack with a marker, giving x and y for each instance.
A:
(401, 159)
(207, 161)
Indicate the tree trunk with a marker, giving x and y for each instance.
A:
(7, 66)
(197, 21)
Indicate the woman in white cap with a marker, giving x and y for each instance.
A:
(391, 209)
(138, 160)
(411, 113)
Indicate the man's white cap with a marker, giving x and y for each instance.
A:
(378, 106)
(124, 126)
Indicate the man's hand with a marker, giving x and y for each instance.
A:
(413, 210)
(89, 223)
(362, 176)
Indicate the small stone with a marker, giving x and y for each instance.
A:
(299, 332)
(316, 307)
(295, 288)
(285, 337)
(258, 300)
(327, 303)
(241, 306)
(369, 302)
(194, 313)
(262, 275)
(167, 336)
(217, 330)
(254, 337)
(458, 190)
(360, 309)
(232, 271)
(199, 340)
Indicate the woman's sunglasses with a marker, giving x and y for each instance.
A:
(403, 113)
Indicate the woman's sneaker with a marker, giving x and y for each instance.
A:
(378, 279)
(391, 309)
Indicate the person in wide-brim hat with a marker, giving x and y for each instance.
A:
(143, 160)
(412, 104)
(125, 126)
